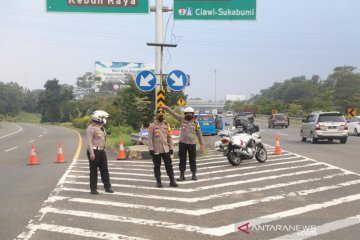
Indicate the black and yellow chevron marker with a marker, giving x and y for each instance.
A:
(160, 98)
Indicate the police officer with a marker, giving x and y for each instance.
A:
(187, 144)
(161, 146)
(96, 136)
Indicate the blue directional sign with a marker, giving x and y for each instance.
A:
(176, 80)
(145, 80)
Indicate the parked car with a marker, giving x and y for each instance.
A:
(324, 125)
(207, 123)
(354, 125)
(238, 118)
(279, 119)
(229, 114)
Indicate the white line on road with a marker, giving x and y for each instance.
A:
(7, 150)
(215, 231)
(325, 228)
(82, 232)
(217, 208)
(32, 140)
(218, 195)
(53, 195)
(19, 130)
(227, 229)
(40, 135)
(189, 182)
(221, 185)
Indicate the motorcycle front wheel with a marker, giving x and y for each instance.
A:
(261, 154)
(233, 158)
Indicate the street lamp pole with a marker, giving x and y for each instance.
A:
(215, 88)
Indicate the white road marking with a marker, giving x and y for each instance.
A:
(123, 219)
(219, 195)
(227, 229)
(325, 228)
(217, 208)
(19, 130)
(40, 135)
(7, 150)
(215, 185)
(53, 195)
(215, 231)
(32, 140)
(190, 182)
(226, 165)
(82, 232)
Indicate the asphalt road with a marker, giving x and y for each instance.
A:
(295, 195)
(23, 188)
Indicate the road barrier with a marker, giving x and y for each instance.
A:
(33, 157)
(60, 155)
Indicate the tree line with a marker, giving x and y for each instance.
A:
(58, 102)
(300, 96)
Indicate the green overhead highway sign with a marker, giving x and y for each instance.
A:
(101, 6)
(215, 9)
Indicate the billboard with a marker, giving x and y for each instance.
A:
(114, 75)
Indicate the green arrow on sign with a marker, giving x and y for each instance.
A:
(102, 6)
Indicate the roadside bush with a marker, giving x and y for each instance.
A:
(81, 122)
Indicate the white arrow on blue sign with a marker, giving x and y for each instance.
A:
(145, 80)
(176, 80)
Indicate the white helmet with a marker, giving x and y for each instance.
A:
(189, 110)
(99, 116)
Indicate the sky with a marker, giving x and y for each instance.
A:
(287, 39)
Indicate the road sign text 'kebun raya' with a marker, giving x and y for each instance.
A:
(105, 3)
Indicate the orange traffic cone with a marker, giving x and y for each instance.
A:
(121, 153)
(277, 146)
(60, 156)
(33, 158)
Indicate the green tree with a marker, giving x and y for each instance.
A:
(52, 99)
(12, 98)
(87, 84)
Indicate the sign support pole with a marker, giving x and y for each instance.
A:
(158, 50)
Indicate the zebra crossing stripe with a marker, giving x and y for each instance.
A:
(116, 218)
(215, 172)
(216, 185)
(190, 182)
(215, 231)
(82, 232)
(227, 229)
(217, 208)
(204, 168)
(220, 195)
(325, 228)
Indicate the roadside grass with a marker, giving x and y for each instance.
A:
(23, 117)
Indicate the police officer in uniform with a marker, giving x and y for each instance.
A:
(161, 146)
(187, 144)
(96, 137)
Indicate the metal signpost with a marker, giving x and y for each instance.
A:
(215, 9)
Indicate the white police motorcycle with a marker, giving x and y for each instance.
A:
(242, 144)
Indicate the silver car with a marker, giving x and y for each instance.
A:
(324, 125)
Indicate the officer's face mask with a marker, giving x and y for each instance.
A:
(188, 116)
(160, 118)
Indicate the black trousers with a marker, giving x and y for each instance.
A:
(183, 150)
(168, 165)
(100, 162)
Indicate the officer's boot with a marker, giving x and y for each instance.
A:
(182, 176)
(158, 182)
(194, 176)
(172, 182)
